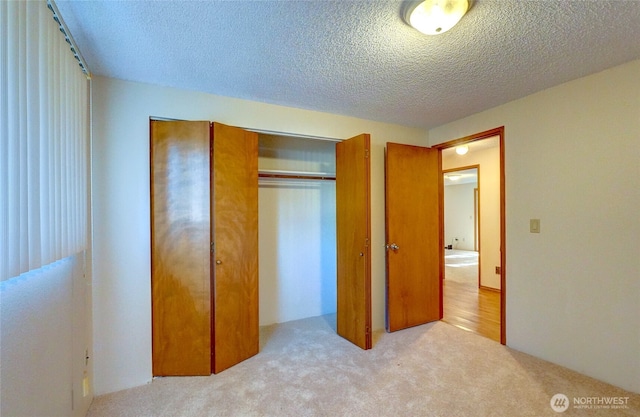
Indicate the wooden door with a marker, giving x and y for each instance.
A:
(235, 244)
(180, 255)
(414, 241)
(353, 233)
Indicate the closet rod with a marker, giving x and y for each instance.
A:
(296, 177)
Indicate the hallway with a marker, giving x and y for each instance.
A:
(465, 305)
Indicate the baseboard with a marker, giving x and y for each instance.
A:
(482, 287)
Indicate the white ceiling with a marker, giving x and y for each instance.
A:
(356, 58)
(465, 176)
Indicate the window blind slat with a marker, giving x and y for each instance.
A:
(13, 139)
(32, 167)
(4, 133)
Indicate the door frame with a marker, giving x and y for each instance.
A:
(499, 132)
(476, 219)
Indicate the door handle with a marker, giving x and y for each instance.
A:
(392, 246)
(218, 262)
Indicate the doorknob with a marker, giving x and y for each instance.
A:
(392, 246)
(218, 262)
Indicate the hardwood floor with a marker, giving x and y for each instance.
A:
(469, 307)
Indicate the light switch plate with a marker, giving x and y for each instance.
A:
(534, 225)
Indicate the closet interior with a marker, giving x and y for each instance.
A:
(297, 227)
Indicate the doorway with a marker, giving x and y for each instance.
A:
(467, 304)
(479, 307)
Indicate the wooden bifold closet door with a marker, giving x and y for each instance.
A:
(180, 254)
(353, 222)
(235, 237)
(204, 207)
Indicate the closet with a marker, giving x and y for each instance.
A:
(315, 206)
(204, 245)
(297, 227)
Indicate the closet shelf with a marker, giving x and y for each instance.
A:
(300, 175)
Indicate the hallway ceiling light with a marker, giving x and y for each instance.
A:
(433, 17)
(462, 149)
(454, 177)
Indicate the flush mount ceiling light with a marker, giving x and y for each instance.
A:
(454, 177)
(433, 17)
(462, 149)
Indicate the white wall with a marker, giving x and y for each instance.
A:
(44, 329)
(121, 291)
(572, 152)
(297, 222)
(458, 215)
(489, 190)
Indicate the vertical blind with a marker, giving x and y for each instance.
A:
(43, 141)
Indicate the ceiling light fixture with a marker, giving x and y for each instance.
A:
(462, 149)
(454, 177)
(433, 17)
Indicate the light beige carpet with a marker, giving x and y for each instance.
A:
(461, 266)
(305, 369)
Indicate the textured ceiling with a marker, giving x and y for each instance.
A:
(356, 58)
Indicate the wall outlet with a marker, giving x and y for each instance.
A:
(498, 270)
